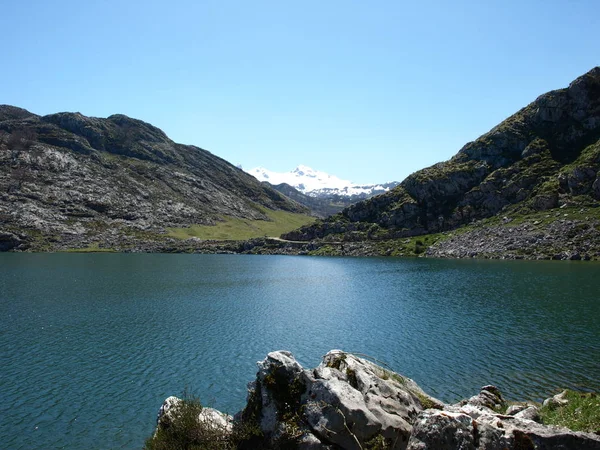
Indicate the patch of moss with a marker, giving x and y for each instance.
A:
(325, 250)
(426, 402)
(336, 362)
(377, 442)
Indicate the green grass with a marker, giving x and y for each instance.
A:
(581, 413)
(92, 248)
(235, 229)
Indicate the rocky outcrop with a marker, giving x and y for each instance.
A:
(545, 156)
(476, 425)
(9, 241)
(348, 402)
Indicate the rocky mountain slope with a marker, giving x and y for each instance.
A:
(67, 180)
(544, 157)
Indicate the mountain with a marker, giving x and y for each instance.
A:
(320, 207)
(529, 188)
(68, 180)
(319, 184)
(322, 193)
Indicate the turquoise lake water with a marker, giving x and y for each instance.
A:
(93, 343)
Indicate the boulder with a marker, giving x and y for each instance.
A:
(489, 397)
(557, 400)
(529, 413)
(514, 409)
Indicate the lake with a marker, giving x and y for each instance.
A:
(93, 343)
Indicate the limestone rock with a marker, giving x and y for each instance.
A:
(489, 397)
(514, 409)
(529, 413)
(348, 402)
(166, 411)
(215, 419)
(557, 400)
(473, 425)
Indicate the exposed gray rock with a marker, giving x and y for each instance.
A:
(557, 400)
(215, 419)
(514, 409)
(489, 397)
(470, 427)
(8, 241)
(442, 430)
(348, 402)
(345, 401)
(529, 413)
(166, 411)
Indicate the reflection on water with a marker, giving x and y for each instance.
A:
(92, 344)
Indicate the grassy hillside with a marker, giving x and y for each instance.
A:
(233, 228)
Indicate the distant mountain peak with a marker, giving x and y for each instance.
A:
(316, 183)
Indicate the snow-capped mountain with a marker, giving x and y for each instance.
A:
(319, 184)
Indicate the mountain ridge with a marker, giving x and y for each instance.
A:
(316, 183)
(543, 157)
(322, 193)
(67, 180)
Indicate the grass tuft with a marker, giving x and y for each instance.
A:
(581, 413)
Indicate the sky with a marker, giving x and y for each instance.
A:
(366, 91)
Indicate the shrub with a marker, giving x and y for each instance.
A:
(185, 432)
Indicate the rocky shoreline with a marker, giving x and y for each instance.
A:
(569, 233)
(348, 402)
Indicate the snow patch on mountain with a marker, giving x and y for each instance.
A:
(319, 184)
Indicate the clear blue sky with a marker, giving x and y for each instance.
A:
(367, 91)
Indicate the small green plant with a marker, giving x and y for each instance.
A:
(426, 402)
(378, 442)
(184, 430)
(580, 413)
(336, 363)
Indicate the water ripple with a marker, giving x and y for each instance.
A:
(92, 344)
